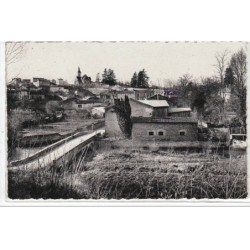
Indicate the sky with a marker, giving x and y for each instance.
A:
(161, 60)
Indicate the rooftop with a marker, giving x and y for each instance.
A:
(155, 103)
(124, 92)
(158, 97)
(177, 110)
(164, 120)
(142, 89)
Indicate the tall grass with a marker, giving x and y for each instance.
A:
(118, 174)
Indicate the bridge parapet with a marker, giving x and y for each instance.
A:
(48, 150)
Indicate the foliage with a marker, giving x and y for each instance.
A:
(202, 96)
(238, 64)
(52, 107)
(14, 126)
(86, 79)
(140, 80)
(108, 77)
(213, 109)
(123, 113)
(12, 101)
(185, 80)
(229, 77)
(134, 80)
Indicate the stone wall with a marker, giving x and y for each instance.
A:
(111, 124)
(168, 132)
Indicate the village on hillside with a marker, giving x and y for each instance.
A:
(105, 138)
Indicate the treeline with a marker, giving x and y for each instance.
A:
(138, 80)
(207, 95)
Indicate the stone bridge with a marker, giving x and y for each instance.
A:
(58, 153)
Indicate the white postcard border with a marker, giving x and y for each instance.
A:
(4, 201)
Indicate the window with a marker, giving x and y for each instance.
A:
(160, 133)
(182, 132)
(151, 133)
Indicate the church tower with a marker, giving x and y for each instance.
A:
(79, 73)
(79, 77)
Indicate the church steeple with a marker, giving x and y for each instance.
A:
(79, 73)
(78, 77)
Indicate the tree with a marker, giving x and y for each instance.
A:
(109, 77)
(134, 81)
(238, 64)
(229, 77)
(213, 109)
(52, 107)
(220, 66)
(104, 75)
(13, 52)
(123, 112)
(185, 88)
(86, 79)
(142, 79)
(12, 101)
(97, 79)
(185, 80)
(198, 98)
(203, 96)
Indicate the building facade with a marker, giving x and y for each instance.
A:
(149, 108)
(164, 130)
(143, 94)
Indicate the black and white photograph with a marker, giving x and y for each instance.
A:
(126, 120)
(124, 124)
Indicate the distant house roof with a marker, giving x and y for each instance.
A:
(153, 103)
(102, 109)
(158, 97)
(164, 120)
(98, 91)
(83, 92)
(142, 89)
(87, 101)
(124, 92)
(80, 101)
(177, 110)
(38, 78)
(70, 99)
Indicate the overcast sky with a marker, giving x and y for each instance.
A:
(53, 60)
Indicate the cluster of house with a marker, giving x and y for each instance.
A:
(155, 119)
(80, 97)
(37, 88)
(155, 112)
(155, 115)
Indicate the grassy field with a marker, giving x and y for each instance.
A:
(121, 174)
